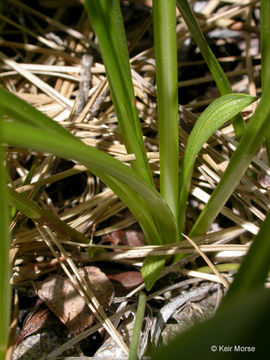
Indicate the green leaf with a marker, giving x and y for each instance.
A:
(213, 117)
(128, 186)
(255, 266)
(256, 130)
(210, 59)
(154, 216)
(151, 269)
(22, 204)
(31, 209)
(108, 24)
(243, 322)
(156, 228)
(265, 51)
(265, 45)
(18, 109)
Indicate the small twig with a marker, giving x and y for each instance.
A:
(84, 83)
(97, 104)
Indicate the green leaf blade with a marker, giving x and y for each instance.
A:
(108, 24)
(151, 269)
(255, 266)
(210, 59)
(213, 117)
(107, 168)
(256, 130)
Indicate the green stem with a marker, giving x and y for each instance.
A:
(164, 19)
(5, 291)
(134, 344)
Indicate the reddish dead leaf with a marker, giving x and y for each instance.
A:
(63, 300)
(38, 319)
(121, 237)
(134, 238)
(128, 279)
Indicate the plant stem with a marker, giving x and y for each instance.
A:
(164, 20)
(5, 291)
(134, 344)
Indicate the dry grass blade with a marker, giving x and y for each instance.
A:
(204, 276)
(81, 286)
(36, 81)
(143, 252)
(209, 262)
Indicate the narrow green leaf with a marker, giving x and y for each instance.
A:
(265, 52)
(24, 208)
(213, 117)
(31, 209)
(255, 266)
(245, 322)
(102, 164)
(209, 57)
(157, 230)
(108, 24)
(256, 130)
(135, 202)
(18, 109)
(164, 20)
(5, 291)
(151, 269)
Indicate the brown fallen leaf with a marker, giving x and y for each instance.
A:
(63, 300)
(128, 279)
(38, 319)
